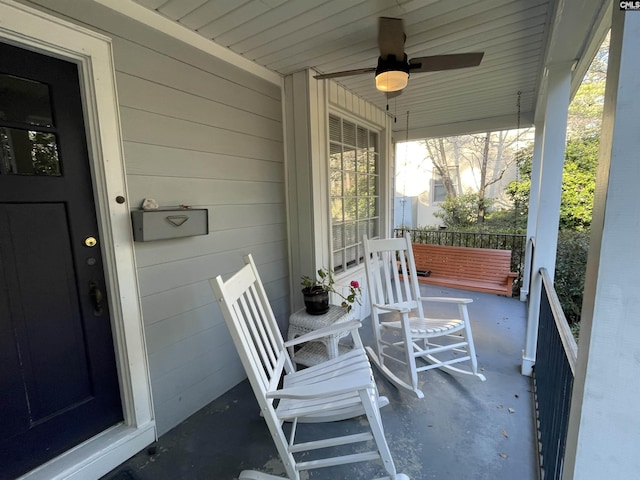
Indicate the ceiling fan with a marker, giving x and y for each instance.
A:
(392, 72)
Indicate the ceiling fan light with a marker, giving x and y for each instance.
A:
(391, 74)
(392, 80)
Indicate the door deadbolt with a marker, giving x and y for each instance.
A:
(90, 241)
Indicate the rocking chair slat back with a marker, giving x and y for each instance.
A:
(256, 329)
(402, 333)
(392, 267)
(338, 389)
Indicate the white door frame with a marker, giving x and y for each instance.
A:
(37, 31)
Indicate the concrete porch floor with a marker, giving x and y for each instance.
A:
(462, 429)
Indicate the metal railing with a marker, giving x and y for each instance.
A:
(501, 241)
(553, 375)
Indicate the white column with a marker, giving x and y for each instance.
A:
(604, 425)
(305, 116)
(550, 193)
(532, 218)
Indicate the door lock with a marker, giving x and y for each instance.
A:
(90, 242)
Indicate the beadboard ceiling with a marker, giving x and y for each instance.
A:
(286, 36)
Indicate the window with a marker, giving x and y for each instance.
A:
(354, 190)
(439, 191)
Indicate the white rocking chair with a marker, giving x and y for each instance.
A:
(393, 287)
(340, 388)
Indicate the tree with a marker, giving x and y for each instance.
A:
(493, 155)
(585, 110)
(488, 156)
(442, 164)
(460, 212)
(578, 182)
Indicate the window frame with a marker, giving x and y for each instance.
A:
(437, 182)
(355, 225)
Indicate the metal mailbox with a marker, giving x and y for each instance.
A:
(165, 223)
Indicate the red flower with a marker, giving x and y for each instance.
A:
(355, 284)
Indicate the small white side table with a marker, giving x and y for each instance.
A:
(322, 349)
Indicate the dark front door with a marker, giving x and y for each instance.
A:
(58, 379)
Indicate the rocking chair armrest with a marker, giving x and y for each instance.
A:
(446, 299)
(357, 380)
(352, 325)
(392, 308)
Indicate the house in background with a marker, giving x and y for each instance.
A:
(420, 188)
(113, 342)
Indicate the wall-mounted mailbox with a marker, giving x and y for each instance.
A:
(149, 225)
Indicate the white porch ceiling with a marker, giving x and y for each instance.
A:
(286, 36)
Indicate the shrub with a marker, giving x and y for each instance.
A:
(462, 211)
(571, 264)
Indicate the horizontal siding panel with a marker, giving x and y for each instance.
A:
(197, 192)
(167, 276)
(153, 253)
(175, 329)
(192, 372)
(176, 74)
(205, 320)
(152, 97)
(170, 412)
(175, 302)
(157, 160)
(239, 216)
(185, 299)
(144, 127)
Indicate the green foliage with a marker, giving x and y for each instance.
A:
(578, 183)
(461, 211)
(571, 262)
(324, 281)
(509, 220)
(578, 187)
(518, 190)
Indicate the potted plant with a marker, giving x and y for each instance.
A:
(316, 292)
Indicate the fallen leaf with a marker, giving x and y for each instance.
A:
(511, 410)
(504, 432)
(500, 406)
(504, 455)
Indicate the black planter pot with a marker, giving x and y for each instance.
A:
(316, 300)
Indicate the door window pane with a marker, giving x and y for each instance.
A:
(25, 101)
(28, 152)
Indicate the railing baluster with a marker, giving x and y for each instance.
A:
(553, 378)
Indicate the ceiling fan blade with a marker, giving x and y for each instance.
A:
(391, 37)
(345, 73)
(436, 63)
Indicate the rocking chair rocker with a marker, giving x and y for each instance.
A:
(337, 389)
(393, 288)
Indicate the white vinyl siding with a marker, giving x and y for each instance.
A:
(196, 131)
(192, 137)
